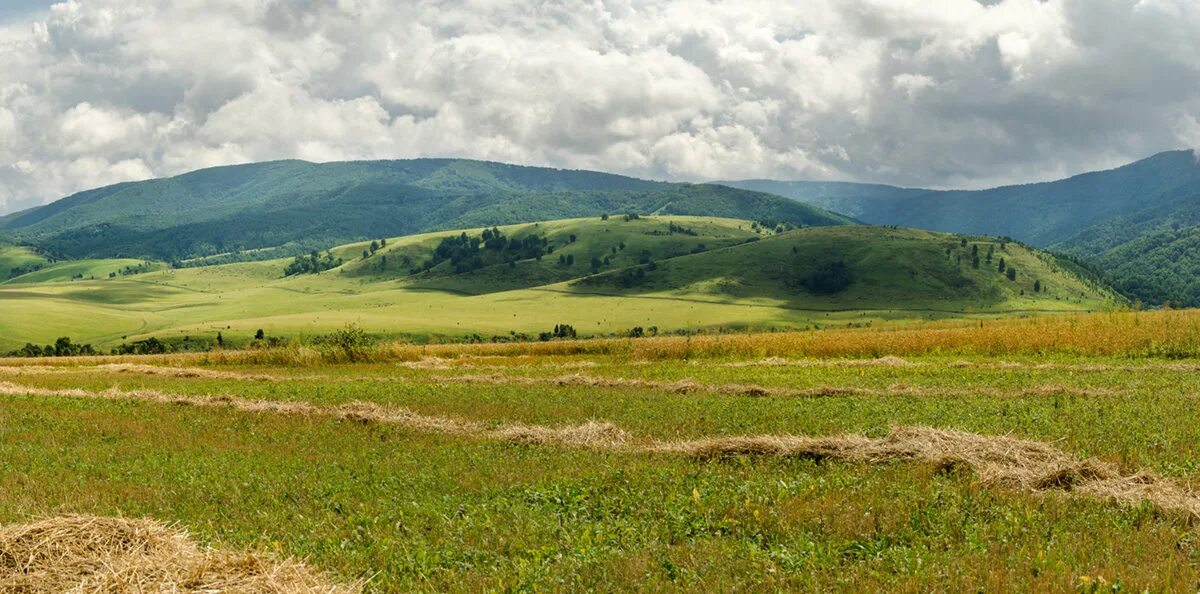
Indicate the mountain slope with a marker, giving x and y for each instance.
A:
(1153, 254)
(847, 198)
(1041, 213)
(269, 204)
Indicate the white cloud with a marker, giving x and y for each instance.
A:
(915, 92)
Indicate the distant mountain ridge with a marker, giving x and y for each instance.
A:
(1042, 214)
(269, 204)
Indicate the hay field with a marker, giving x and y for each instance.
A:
(1055, 454)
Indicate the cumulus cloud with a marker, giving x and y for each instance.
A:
(946, 93)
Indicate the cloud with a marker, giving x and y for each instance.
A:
(950, 93)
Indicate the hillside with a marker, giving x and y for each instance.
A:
(17, 260)
(1153, 254)
(1041, 213)
(244, 207)
(873, 268)
(673, 274)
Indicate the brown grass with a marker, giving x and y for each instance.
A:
(88, 554)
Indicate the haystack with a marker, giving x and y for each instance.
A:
(93, 555)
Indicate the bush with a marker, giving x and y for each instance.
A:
(350, 343)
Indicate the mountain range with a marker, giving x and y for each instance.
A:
(263, 205)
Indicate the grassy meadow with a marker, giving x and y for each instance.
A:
(692, 274)
(669, 463)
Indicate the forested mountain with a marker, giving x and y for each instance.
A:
(269, 204)
(1153, 254)
(1042, 214)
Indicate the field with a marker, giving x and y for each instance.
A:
(1046, 454)
(706, 274)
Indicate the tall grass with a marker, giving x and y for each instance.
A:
(1162, 334)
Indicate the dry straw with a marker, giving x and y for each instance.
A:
(94, 555)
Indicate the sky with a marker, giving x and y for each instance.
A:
(932, 93)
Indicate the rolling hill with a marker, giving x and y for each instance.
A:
(1136, 223)
(600, 276)
(17, 260)
(308, 205)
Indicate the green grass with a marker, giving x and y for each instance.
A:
(738, 278)
(75, 270)
(441, 513)
(13, 257)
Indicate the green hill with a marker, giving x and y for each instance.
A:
(71, 270)
(229, 209)
(563, 250)
(18, 260)
(872, 268)
(674, 273)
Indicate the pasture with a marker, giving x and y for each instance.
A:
(1052, 454)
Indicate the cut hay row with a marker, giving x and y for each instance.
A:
(186, 372)
(88, 554)
(592, 434)
(1001, 461)
(888, 361)
(1085, 367)
(682, 386)
(179, 372)
(689, 386)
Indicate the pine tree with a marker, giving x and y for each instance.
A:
(1002, 265)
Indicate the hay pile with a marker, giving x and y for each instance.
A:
(88, 554)
(190, 372)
